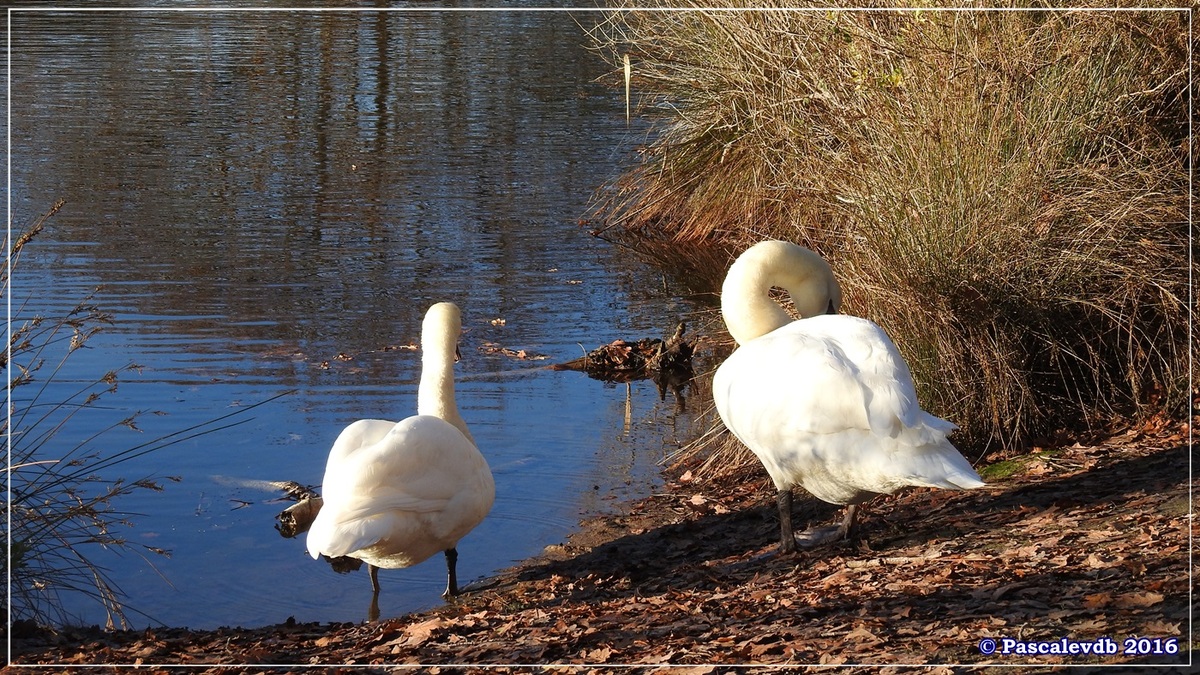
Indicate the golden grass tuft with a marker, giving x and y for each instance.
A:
(1006, 193)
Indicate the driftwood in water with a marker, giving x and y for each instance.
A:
(648, 358)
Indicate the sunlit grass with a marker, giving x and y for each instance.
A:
(1004, 192)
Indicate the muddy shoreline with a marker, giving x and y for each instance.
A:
(1086, 542)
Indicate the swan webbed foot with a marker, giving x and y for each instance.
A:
(820, 536)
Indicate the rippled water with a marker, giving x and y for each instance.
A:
(255, 194)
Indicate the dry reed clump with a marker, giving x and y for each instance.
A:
(1006, 193)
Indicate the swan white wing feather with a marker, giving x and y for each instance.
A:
(415, 490)
(828, 402)
(355, 437)
(821, 375)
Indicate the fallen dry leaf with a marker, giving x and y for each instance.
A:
(1131, 600)
(601, 655)
(1156, 627)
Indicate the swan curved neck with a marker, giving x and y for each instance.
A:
(746, 304)
(439, 341)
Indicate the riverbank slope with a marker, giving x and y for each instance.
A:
(1077, 543)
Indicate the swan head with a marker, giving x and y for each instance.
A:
(746, 304)
(440, 331)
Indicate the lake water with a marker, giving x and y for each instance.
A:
(255, 194)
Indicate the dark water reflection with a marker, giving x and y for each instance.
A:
(258, 193)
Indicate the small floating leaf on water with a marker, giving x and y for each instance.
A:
(410, 347)
(493, 348)
(499, 322)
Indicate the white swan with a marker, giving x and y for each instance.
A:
(398, 492)
(826, 401)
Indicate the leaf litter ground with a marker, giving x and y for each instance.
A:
(1086, 542)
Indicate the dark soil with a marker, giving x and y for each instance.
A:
(1081, 543)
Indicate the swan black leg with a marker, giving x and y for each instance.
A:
(373, 610)
(787, 541)
(846, 530)
(373, 572)
(451, 573)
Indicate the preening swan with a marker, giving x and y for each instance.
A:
(825, 401)
(398, 492)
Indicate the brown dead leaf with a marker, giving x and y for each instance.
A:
(862, 634)
(1157, 627)
(1097, 600)
(1037, 468)
(1089, 626)
(412, 347)
(601, 655)
(1132, 600)
(145, 652)
(417, 633)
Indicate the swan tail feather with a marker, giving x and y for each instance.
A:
(940, 465)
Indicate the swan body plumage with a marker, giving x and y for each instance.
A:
(826, 402)
(396, 493)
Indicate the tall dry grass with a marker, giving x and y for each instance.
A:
(1006, 193)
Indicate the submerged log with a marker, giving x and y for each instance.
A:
(648, 358)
